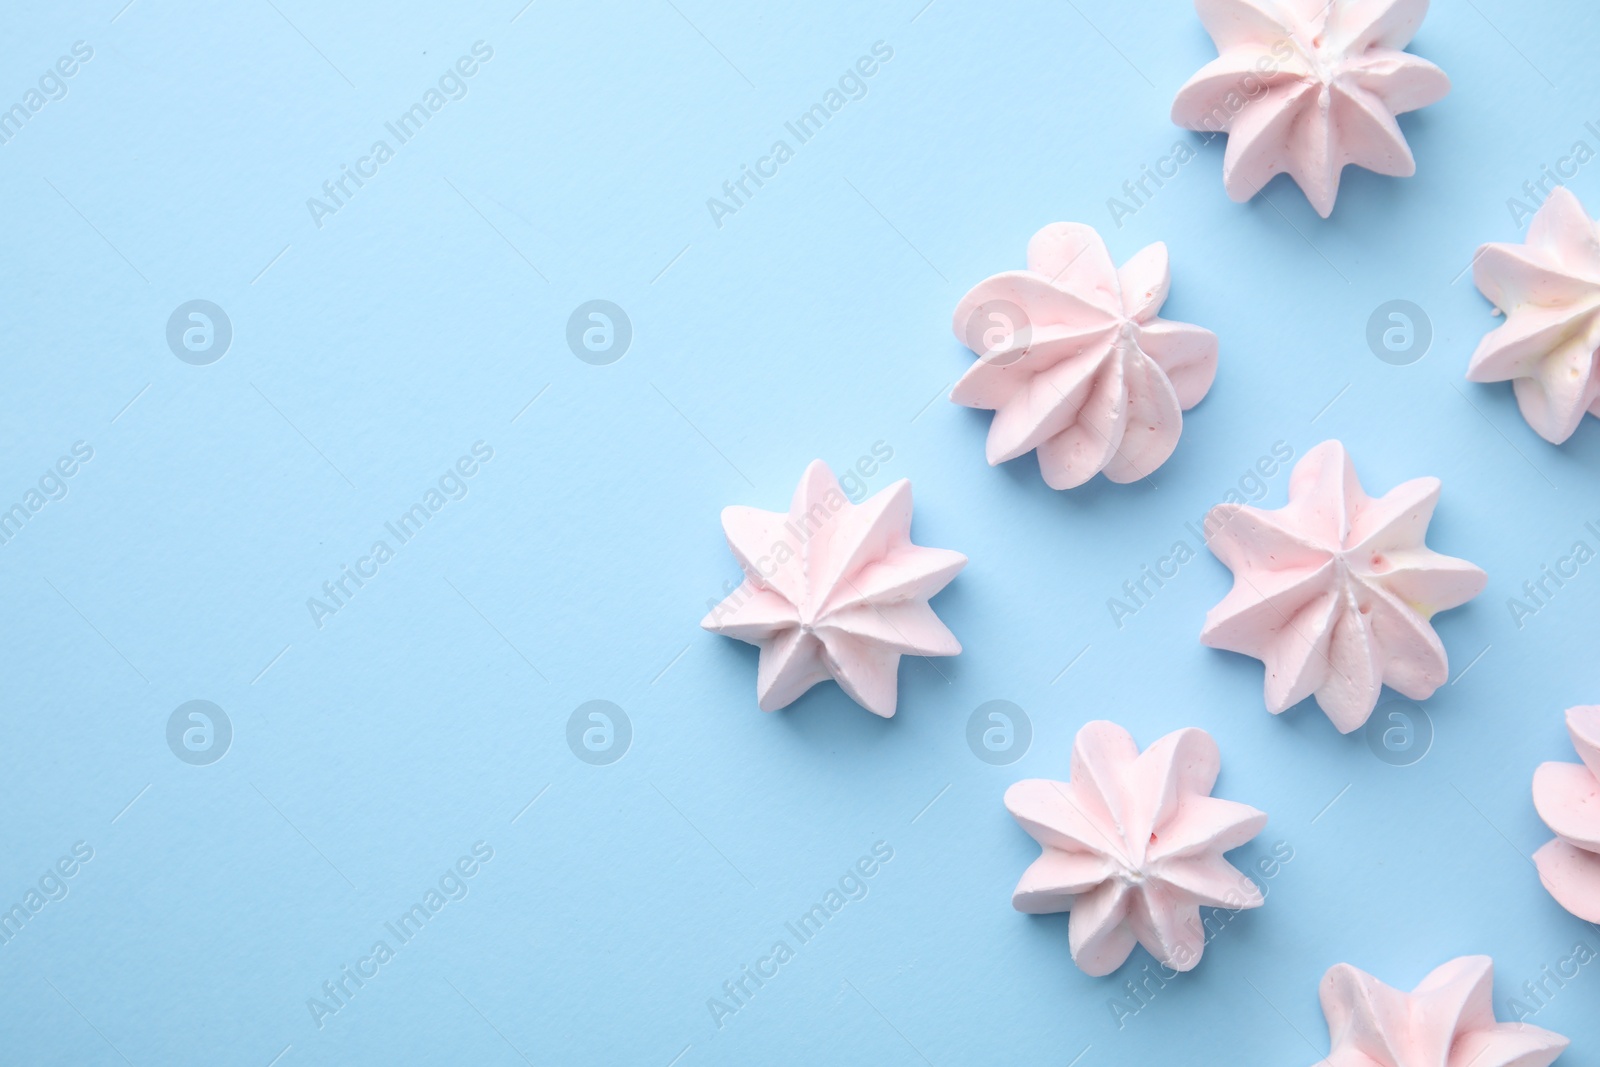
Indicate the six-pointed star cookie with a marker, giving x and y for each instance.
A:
(1334, 592)
(1306, 87)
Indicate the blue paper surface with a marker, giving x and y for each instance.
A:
(411, 360)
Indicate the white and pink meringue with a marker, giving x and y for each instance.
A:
(1133, 846)
(1076, 364)
(1334, 592)
(1447, 1021)
(1549, 289)
(834, 590)
(1567, 796)
(1307, 87)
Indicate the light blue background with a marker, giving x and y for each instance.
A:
(426, 314)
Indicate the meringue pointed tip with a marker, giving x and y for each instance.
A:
(1062, 482)
(1349, 726)
(1584, 718)
(1096, 969)
(1188, 963)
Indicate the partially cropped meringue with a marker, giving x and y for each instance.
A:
(1334, 592)
(1549, 289)
(1133, 847)
(1567, 796)
(1447, 1021)
(1306, 87)
(1074, 361)
(834, 590)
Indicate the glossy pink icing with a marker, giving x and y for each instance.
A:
(1549, 289)
(1132, 846)
(1334, 592)
(1307, 87)
(834, 590)
(1447, 1021)
(1567, 796)
(1090, 377)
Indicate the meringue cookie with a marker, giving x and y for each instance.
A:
(1075, 362)
(1447, 1021)
(834, 590)
(1306, 87)
(1549, 289)
(1334, 592)
(1567, 796)
(1133, 847)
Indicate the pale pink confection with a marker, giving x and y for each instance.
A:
(1133, 847)
(834, 590)
(1567, 796)
(1549, 289)
(1305, 87)
(1075, 362)
(1447, 1021)
(1334, 592)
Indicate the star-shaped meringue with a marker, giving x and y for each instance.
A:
(1549, 289)
(1447, 1021)
(1133, 847)
(1075, 362)
(1334, 592)
(1567, 796)
(834, 590)
(1305, 87)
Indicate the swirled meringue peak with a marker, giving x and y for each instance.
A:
(1334, 592)
(1133, 847)
(1447, 1021)
(1076, 364)
(1549, 289)
(1567, 796)
(1306, 87)
(834, 590)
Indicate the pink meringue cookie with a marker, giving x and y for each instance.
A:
(1075, 362)
(1306, 87)
(834, 590)
(1334, 592)
(1133, 847)
(1447, 1021)
(1549, 289)
(1567, 796)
